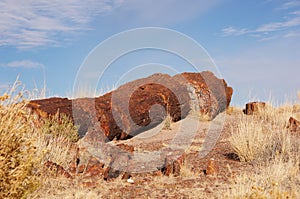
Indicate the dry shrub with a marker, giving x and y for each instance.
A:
(59, 125)
(56, 137)
(18, 158)
(25, 146)
(262, 136)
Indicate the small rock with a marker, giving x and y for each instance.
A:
(130, 181)
(211, 168)
(173, 164)
(94, 170)
(126, 175)
(126, 147)
(56, 169)
(253, 107)
(293, 125)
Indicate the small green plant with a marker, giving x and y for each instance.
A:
(60, 125)
(168, 122)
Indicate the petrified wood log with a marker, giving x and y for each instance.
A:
(141, 104)
(253, 107)
(294, 125)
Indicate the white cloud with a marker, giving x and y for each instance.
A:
(293, 21)
(292, 34)
(34, 23)
(22, 64)
(291, 4)
(233, 31)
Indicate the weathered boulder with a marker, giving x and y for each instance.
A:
(141, 104)
(254, 107)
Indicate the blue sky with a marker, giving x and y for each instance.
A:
(255, 44)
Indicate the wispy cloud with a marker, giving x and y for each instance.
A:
(34, 23)
(291, 21)
(290, 4)
(22, 64)
(231, 31)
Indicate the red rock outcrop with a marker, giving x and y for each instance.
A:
(141, 104)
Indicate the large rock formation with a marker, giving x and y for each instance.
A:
(141, 104)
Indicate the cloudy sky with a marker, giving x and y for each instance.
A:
(255, 44)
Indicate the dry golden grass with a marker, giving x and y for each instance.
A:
(18, 157)
(278, 179)
(263, 135)
(186, 170)
(233, 110)
(265, 139)
(24, 146)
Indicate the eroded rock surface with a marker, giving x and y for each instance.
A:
(141, 104)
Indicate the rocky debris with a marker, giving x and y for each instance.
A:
(56, 169)
(130, 181)
(294, 125)
(141, 104)
(126, 147)
(173, 163)
(254, 107)
(212, 167)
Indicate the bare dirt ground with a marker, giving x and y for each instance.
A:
(201, 141)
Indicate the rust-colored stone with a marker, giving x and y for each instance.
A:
(173, 163)
(126, 176)
(56, 169)
(126, 147)
(94, 170)
(110, 173)
(89, 184)
(253, 107)
(294, 125)
(212, 167)
(141, 104)
(209, 95)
